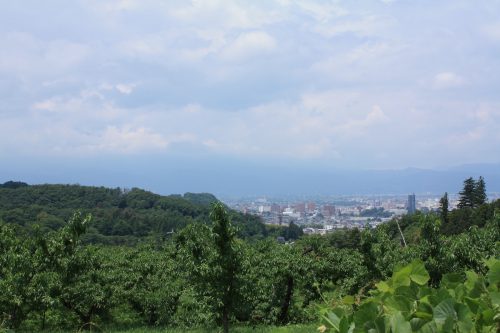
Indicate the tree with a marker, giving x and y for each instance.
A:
(467, 194)
(479, 197)
(443, 205)
(227, 260)
(473, 193)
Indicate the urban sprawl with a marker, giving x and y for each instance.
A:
(323, 215)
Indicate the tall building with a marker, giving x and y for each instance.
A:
(328, 210)
(411, 207)
(300, 208)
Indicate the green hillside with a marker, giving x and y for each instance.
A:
(119, 216)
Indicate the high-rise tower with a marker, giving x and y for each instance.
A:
(411, 206)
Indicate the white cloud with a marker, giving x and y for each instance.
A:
(447, 80)
(129, 140)
(23, 53)
(275, 78)
(126, 89)
(357, 127)
(248, 45)
(322, 11)
(366, 26)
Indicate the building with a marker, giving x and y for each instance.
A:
(328, 210)
(411, 206)
(310, 207)
(300, 208)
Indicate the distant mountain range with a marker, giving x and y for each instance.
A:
(227, 177)
(348, 182)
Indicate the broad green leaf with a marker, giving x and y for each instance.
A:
(401, 277)
(452, 280)
(417, 323)
(345, 326)
(494, 273)
(424, 311)
(383, 286)
(473, 304)
(380, 324)
(444, 311)
(348, 300)
(332, 320)
(399, 324)
(495, 298)
(439, 296)
(398, 303)
(430, 327)
(365, 315)
(471, 280)
(419, 274)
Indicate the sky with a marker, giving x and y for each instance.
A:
(115, 92)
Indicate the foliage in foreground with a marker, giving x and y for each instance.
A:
(54, 280)
(405, 303)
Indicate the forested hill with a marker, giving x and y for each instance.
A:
(118, 216)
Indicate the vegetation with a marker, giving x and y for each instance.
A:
(210, 273)
(404, 303)
(473, 194)
(119, 217)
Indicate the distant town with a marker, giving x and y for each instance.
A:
(320, 215)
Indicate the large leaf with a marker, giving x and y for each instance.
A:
(399, 324)
(452, 280)
(430, 327)
(444, 311)
(415, 271)
(401, 277)
(495, 298)
(419, 274)
(417, 323)
(365, 316)
(398, 303)
(494, 272)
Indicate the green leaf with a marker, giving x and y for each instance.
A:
(452, 280)
(419, 274)
(365, 315)
(424, 311)
(401, 277)
(398, 303)
(444, 311)
(348, 300)
(417, 323)
(345, 325)
(399, 324)
(383, 286)
(495, 298)
(494, 272)
(430, 327)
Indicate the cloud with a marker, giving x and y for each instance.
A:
(248, 45)
(23, 53)
(289, 79)
(128, 140)
(125, 88)
(364, 27)
(359, 127)
(447, 80)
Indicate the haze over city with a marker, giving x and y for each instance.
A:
(249, 98)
